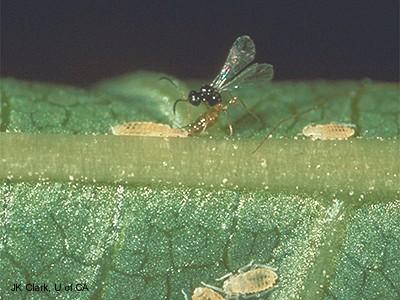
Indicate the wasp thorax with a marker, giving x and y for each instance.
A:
(209, 95)
(214, 99)
(206, 90)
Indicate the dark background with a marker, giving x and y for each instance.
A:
(80, 42)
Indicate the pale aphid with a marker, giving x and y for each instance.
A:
(332, 131)
(252, 280)
(204, 293)
(148, 129)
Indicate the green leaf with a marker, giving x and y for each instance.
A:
(144, 218)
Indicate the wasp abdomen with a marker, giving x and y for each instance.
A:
(206, 120)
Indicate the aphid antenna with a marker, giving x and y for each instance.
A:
(246, 267)
(345, 124)
(224, 277)
(213, 287)
(184, 295)
(265, 267)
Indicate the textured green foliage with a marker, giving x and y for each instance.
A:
(149, 239)
(286, 106)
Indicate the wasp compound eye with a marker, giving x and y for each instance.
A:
(194, 98)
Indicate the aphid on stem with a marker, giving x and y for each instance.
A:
(332, 131)
(148, 129)
(203, 293)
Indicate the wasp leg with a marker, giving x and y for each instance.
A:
(229, 123)
(213, 287)
(204, 128)
(250, 112)
(224, 277)
(233, 101)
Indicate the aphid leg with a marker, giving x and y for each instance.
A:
(258, 295)
(233, 297)
(184, 295)
(246, 267)
(224, 277)
(213, 287)
(264, 266)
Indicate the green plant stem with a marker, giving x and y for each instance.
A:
(358, 165)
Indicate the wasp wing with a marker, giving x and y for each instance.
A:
(254, 73)
(240, 56)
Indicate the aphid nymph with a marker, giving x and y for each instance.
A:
(204, 293)
(148, 129)
(252, 280)
(236, 72)
(332, 131)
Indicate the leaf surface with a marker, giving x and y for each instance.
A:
(144, 218)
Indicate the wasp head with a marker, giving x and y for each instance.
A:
(194, 98)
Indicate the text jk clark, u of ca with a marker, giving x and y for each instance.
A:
(45, 287)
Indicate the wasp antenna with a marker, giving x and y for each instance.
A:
(287, 119)
(170, 81)
(176, 102)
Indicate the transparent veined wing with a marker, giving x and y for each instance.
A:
(254, 73)
(240, 56)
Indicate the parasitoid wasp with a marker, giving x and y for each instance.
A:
(237, 71)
